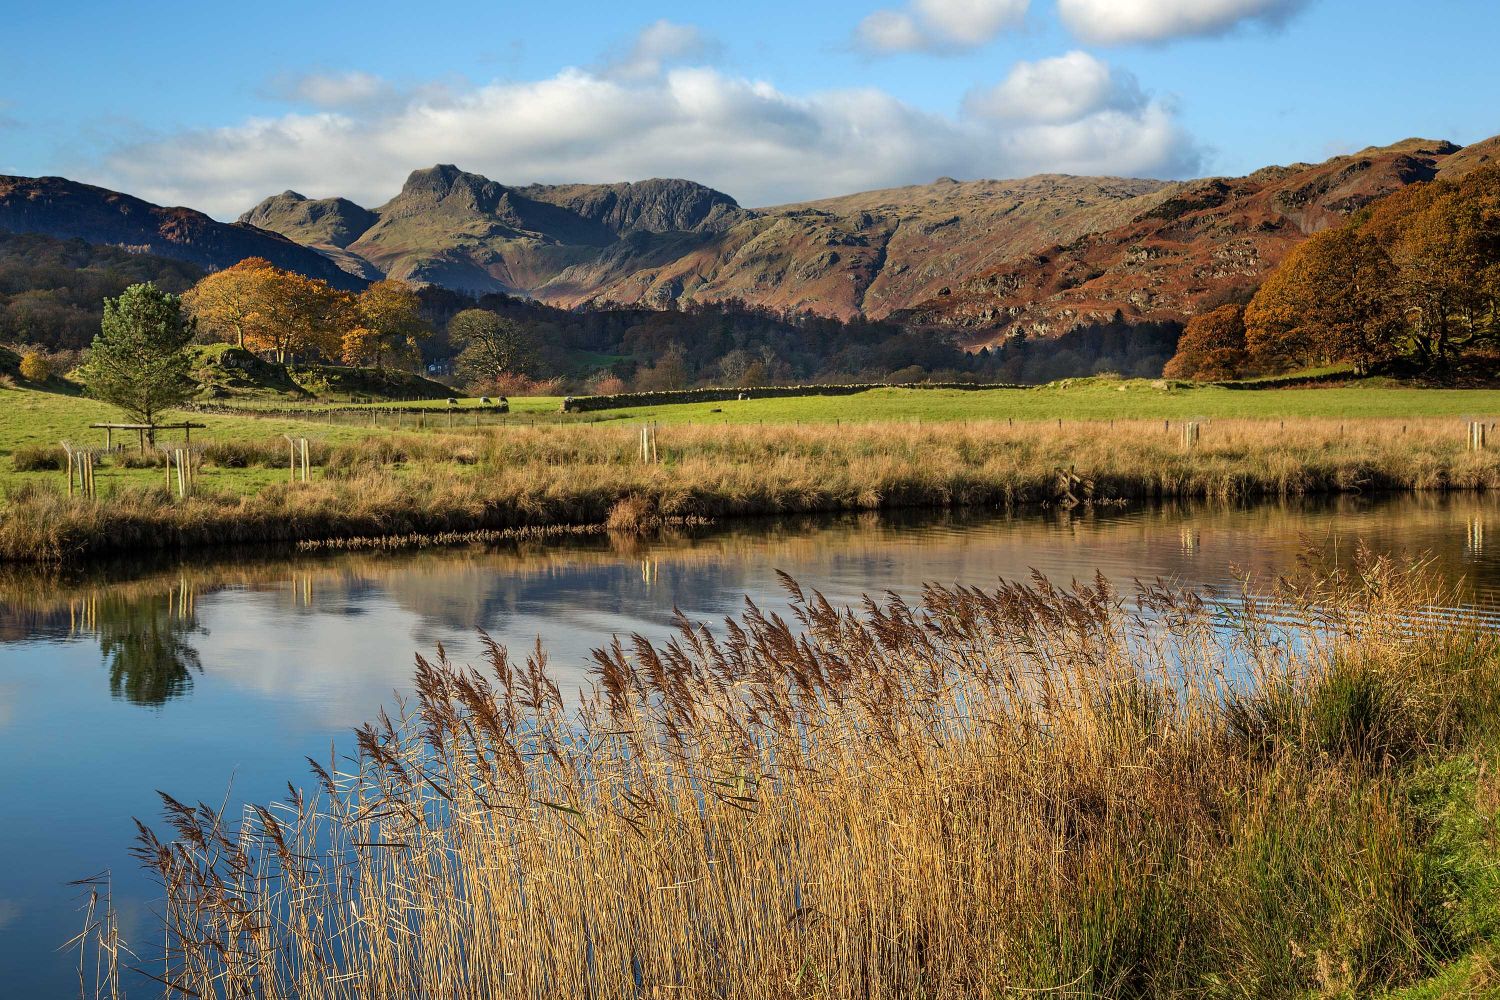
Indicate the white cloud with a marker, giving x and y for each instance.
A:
(742, 136)
(938, 25)
(1121, 22)
(656, 46)
(339, 90)
(1055, 91)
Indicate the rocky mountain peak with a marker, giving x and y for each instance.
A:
(444, 181)
(334, 222)
(657, 205)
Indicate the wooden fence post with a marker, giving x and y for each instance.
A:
(304, 459)
(1478, 436)
(1190, 434)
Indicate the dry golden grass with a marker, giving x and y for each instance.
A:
(528, 477)
(1016, 791)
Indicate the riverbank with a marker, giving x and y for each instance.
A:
(541, 477)
(992, 792)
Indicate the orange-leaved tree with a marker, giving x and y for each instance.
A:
(1212, 347)
(304, 315)
(231, 303)
(1444, 241)
(1332, 299)
(361, 346)
(390, 315)
(265, 309)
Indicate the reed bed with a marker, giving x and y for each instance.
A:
(1020, 791)
(536, 477)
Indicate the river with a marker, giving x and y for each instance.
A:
(213, 678)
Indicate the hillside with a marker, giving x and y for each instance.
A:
(873, 253)
(333, 222)
(55, 206)
(1198, 243)
(467, 232)
(656, 242)
(52, 291)
(1043, 254)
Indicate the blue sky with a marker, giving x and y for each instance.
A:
(771, 101)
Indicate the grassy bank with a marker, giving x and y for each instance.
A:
(542, 476)
(1027, 791)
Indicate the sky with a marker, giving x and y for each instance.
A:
(216, 107)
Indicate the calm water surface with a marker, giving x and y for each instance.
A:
(207, 679)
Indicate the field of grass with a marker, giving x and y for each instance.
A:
(42, 419)
(1074, 399)
(884, 448)
(524, 477)
(1031, 791)
(1090, 399)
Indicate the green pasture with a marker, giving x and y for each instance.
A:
(29, 417)
(1088, 399)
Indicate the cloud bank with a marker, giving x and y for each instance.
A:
(1072, 114)
(1123, 22)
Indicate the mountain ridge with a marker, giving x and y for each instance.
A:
(988, 258)
(67, 209)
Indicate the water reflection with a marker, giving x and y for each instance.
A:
(353, 621)
(117, 680)
(145, 643)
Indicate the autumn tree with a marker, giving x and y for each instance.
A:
(1330, 300)
(1212, 347)
(139, 360)
(232, 303)
(1443, 239)
(361, 346)
(304, 315)
(263, 308)
(390, 322)
(493, 348)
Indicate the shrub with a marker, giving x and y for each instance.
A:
(38, 458)
(35, 368)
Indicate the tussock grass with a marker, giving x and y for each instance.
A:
(38, 458)
(521, 477)
(1019, 790)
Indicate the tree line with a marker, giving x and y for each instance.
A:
(1409, 283)
(52, 290)
(510, 345)
(507, 344)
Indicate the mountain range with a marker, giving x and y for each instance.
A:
(1042, 254)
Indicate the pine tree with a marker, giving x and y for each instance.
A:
(139, 360)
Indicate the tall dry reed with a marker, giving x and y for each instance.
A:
(1027, 789)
